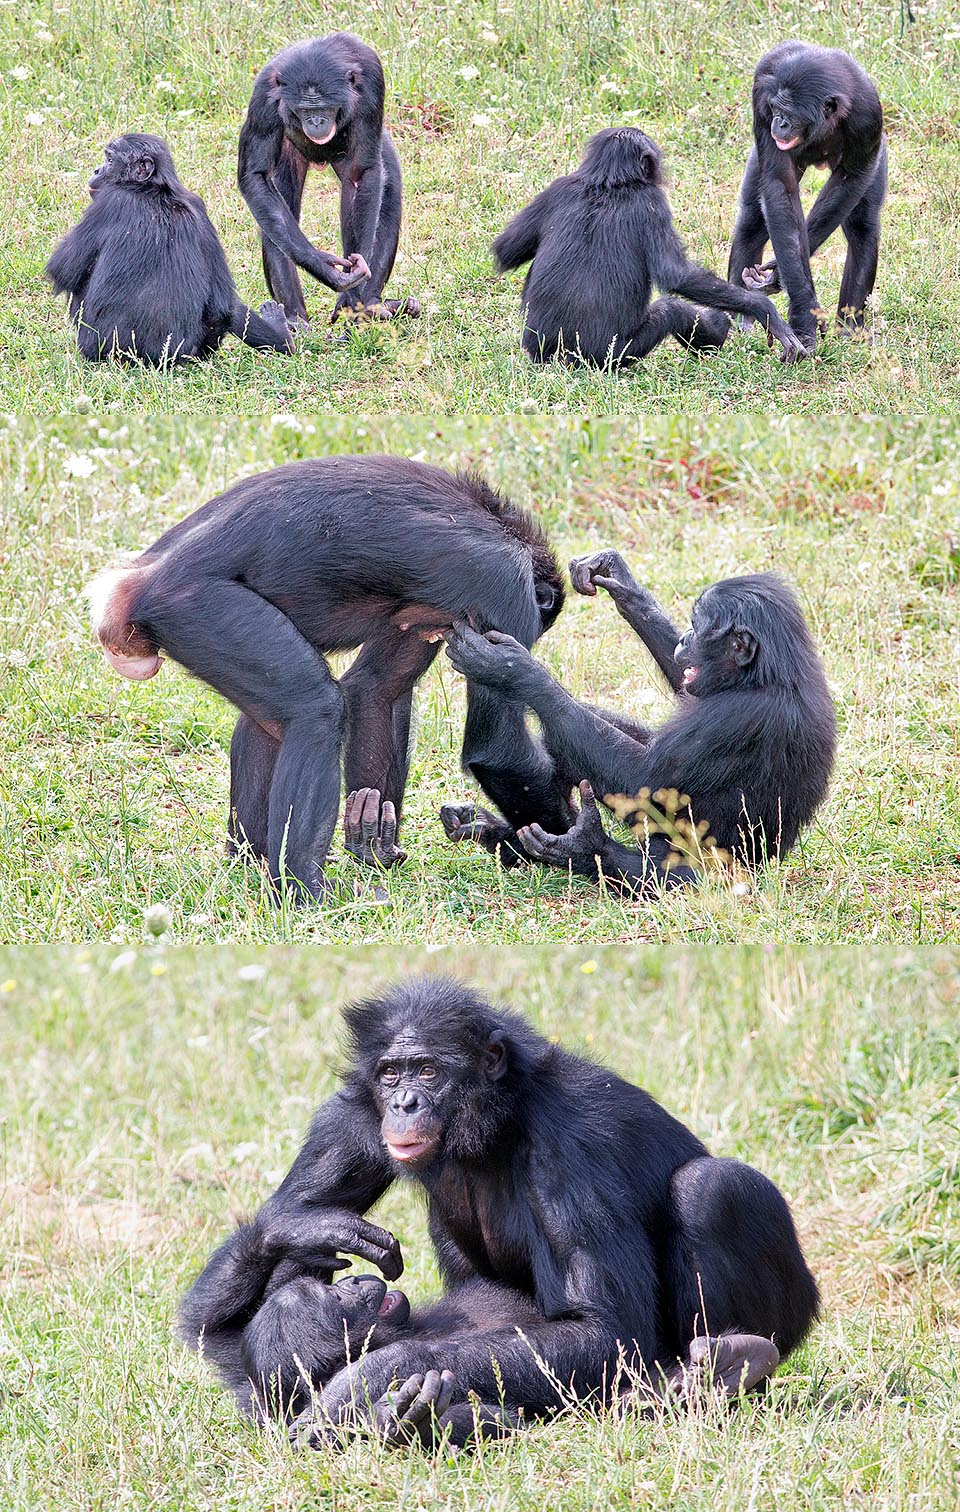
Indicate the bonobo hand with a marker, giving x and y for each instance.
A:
(381, 309)
(607, 569)
(370, 830)
(763, 278)
(793, 347)
(315, 1235)
(465, 821)
(579, 847)
(413, 1411)
(354, 271)
(494, 660)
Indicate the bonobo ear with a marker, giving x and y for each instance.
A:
(495, 1057)
(353, 77)
(648, 168)
(545, 595)
(145, 168)
(836, 105)
(744, 647)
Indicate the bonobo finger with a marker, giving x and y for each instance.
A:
(535, 841)
(611, 584)
(455, 817)
(448, 1384)
(405, 1399)
(498, 638)
(587, 799)
(370, 821)
(388, 827)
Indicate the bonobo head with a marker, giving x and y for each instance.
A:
(319, 85)
(136, 161)
(620, 156)
(805, 106)
(444, 1071)
(351, 1307)
(747, 632)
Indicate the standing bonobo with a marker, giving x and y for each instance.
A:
(812, 106)
(748, 750)
(597, 241)
(315, 103)
(252, 591)
(144, 270)
(543, 1172)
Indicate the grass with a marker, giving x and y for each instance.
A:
(113, 795)
(488, 102)
(151, 1096)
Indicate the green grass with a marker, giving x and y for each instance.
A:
(113, 795)
(151, 1097)
(488, 102)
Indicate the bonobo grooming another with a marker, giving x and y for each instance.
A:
(749, 747)
(144, 269)
(597, 241)
(544, 1173)
(315, 103)
(251, 591)
(812, 106)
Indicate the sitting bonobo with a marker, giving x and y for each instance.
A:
(747, 752)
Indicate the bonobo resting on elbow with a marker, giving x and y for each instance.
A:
(812, 106)
(253, 590)
(544, 1173)
(597, 241)
(144, 270)
(749, 748)
(316, 103)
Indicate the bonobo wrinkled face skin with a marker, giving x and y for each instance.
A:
(420, 1095)
(715, 653)
(317, 101)
(359, 1303)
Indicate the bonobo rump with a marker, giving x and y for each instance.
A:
(251, 591)
(544, 1172)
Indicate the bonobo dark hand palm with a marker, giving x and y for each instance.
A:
(579, 847)
(495, 660)
(315, 1234)
(607, 569)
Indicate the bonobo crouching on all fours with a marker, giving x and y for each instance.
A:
(252, 591)
(576, 1223)
(748, 750)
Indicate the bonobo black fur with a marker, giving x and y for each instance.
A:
(252, 590)
(597, 241)
(315, 103)
(812, 106)
(750, 744)
(144, 270)
(544, 1173)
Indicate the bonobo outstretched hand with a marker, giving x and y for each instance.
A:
(495, 660)
(370, 830)
(763, 277)
(315, 1236)
(347, 272)
(607, 569)
(580, 847)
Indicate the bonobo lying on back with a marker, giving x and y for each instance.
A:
(144, 269)
(748, 749)
(597, 241)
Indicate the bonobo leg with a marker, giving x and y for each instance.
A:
(283, 280)
(253, 756)
(369, 295)
(267, 331)
(862, 231)
(697, 329)
(733, 1261)
(249, 652)
(719, 1365)
(378, 687)
(515, 771)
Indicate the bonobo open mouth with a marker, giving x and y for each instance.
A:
(689, 675)
(394, 1308)
(410, 1150)
(324, 136)
(786, 146)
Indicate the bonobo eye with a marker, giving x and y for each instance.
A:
(429, 1072)
(389, 1076)
(830, 107)
(546, 596)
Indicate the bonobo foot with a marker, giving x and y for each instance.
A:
(464, 821)
(411, 1412)
(377, 309)
(718, 1365)
(580, 847)
(274, 313)
(370, 830)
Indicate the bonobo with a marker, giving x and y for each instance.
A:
(251, 591)
(597, 241)
(749, 748)
(144, 269)
(315, 103)
(544, 1173)
(812, 106)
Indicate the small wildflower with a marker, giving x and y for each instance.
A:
(251, 973)
(158, 969)
(33, 119)
(19, 73)
(9, 985)
(43, 36)
(483, 121)
(588, 968)
(469, 72)
(123, 960)
(79, 465)
(157, 919)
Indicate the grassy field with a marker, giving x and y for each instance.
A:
(151, 1097)
(113, 795)
(488, 103)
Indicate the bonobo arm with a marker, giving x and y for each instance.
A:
(834, 202)
(607, 569)
(788, 234)
(309, 1219)
(71, 265)
(261, 143)
(362, 177)
(518, 242)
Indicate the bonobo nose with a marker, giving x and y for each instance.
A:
(407, 1100)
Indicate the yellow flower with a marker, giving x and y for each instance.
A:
(588, 967)
(158, 968)
(8, 985)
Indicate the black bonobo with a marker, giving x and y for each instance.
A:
(145, 272)
(598, 240)
(544, 1173)
(252, 591)
(812, 106)
(749, 748)
(315, 103)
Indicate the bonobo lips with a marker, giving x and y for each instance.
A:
(321, 141)
(410, 1148)
(394, 1308)
(689, 675)
(788, 145)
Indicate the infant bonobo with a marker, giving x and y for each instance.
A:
(308, 1330)
(597, 240)
(144, 270)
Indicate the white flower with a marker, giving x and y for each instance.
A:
(251, 973)
(165, 86)
(610, 87)
(43, 36)
(124, 959)
(19, 73)
(465, 73)
(157, 918)
(79, 465)
(33, 119)
(483, 121)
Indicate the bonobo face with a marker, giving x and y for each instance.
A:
(716, 651)
(787, 126)
(319, 105)
(127, 160)
(420, 1092)
(359, 1302)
